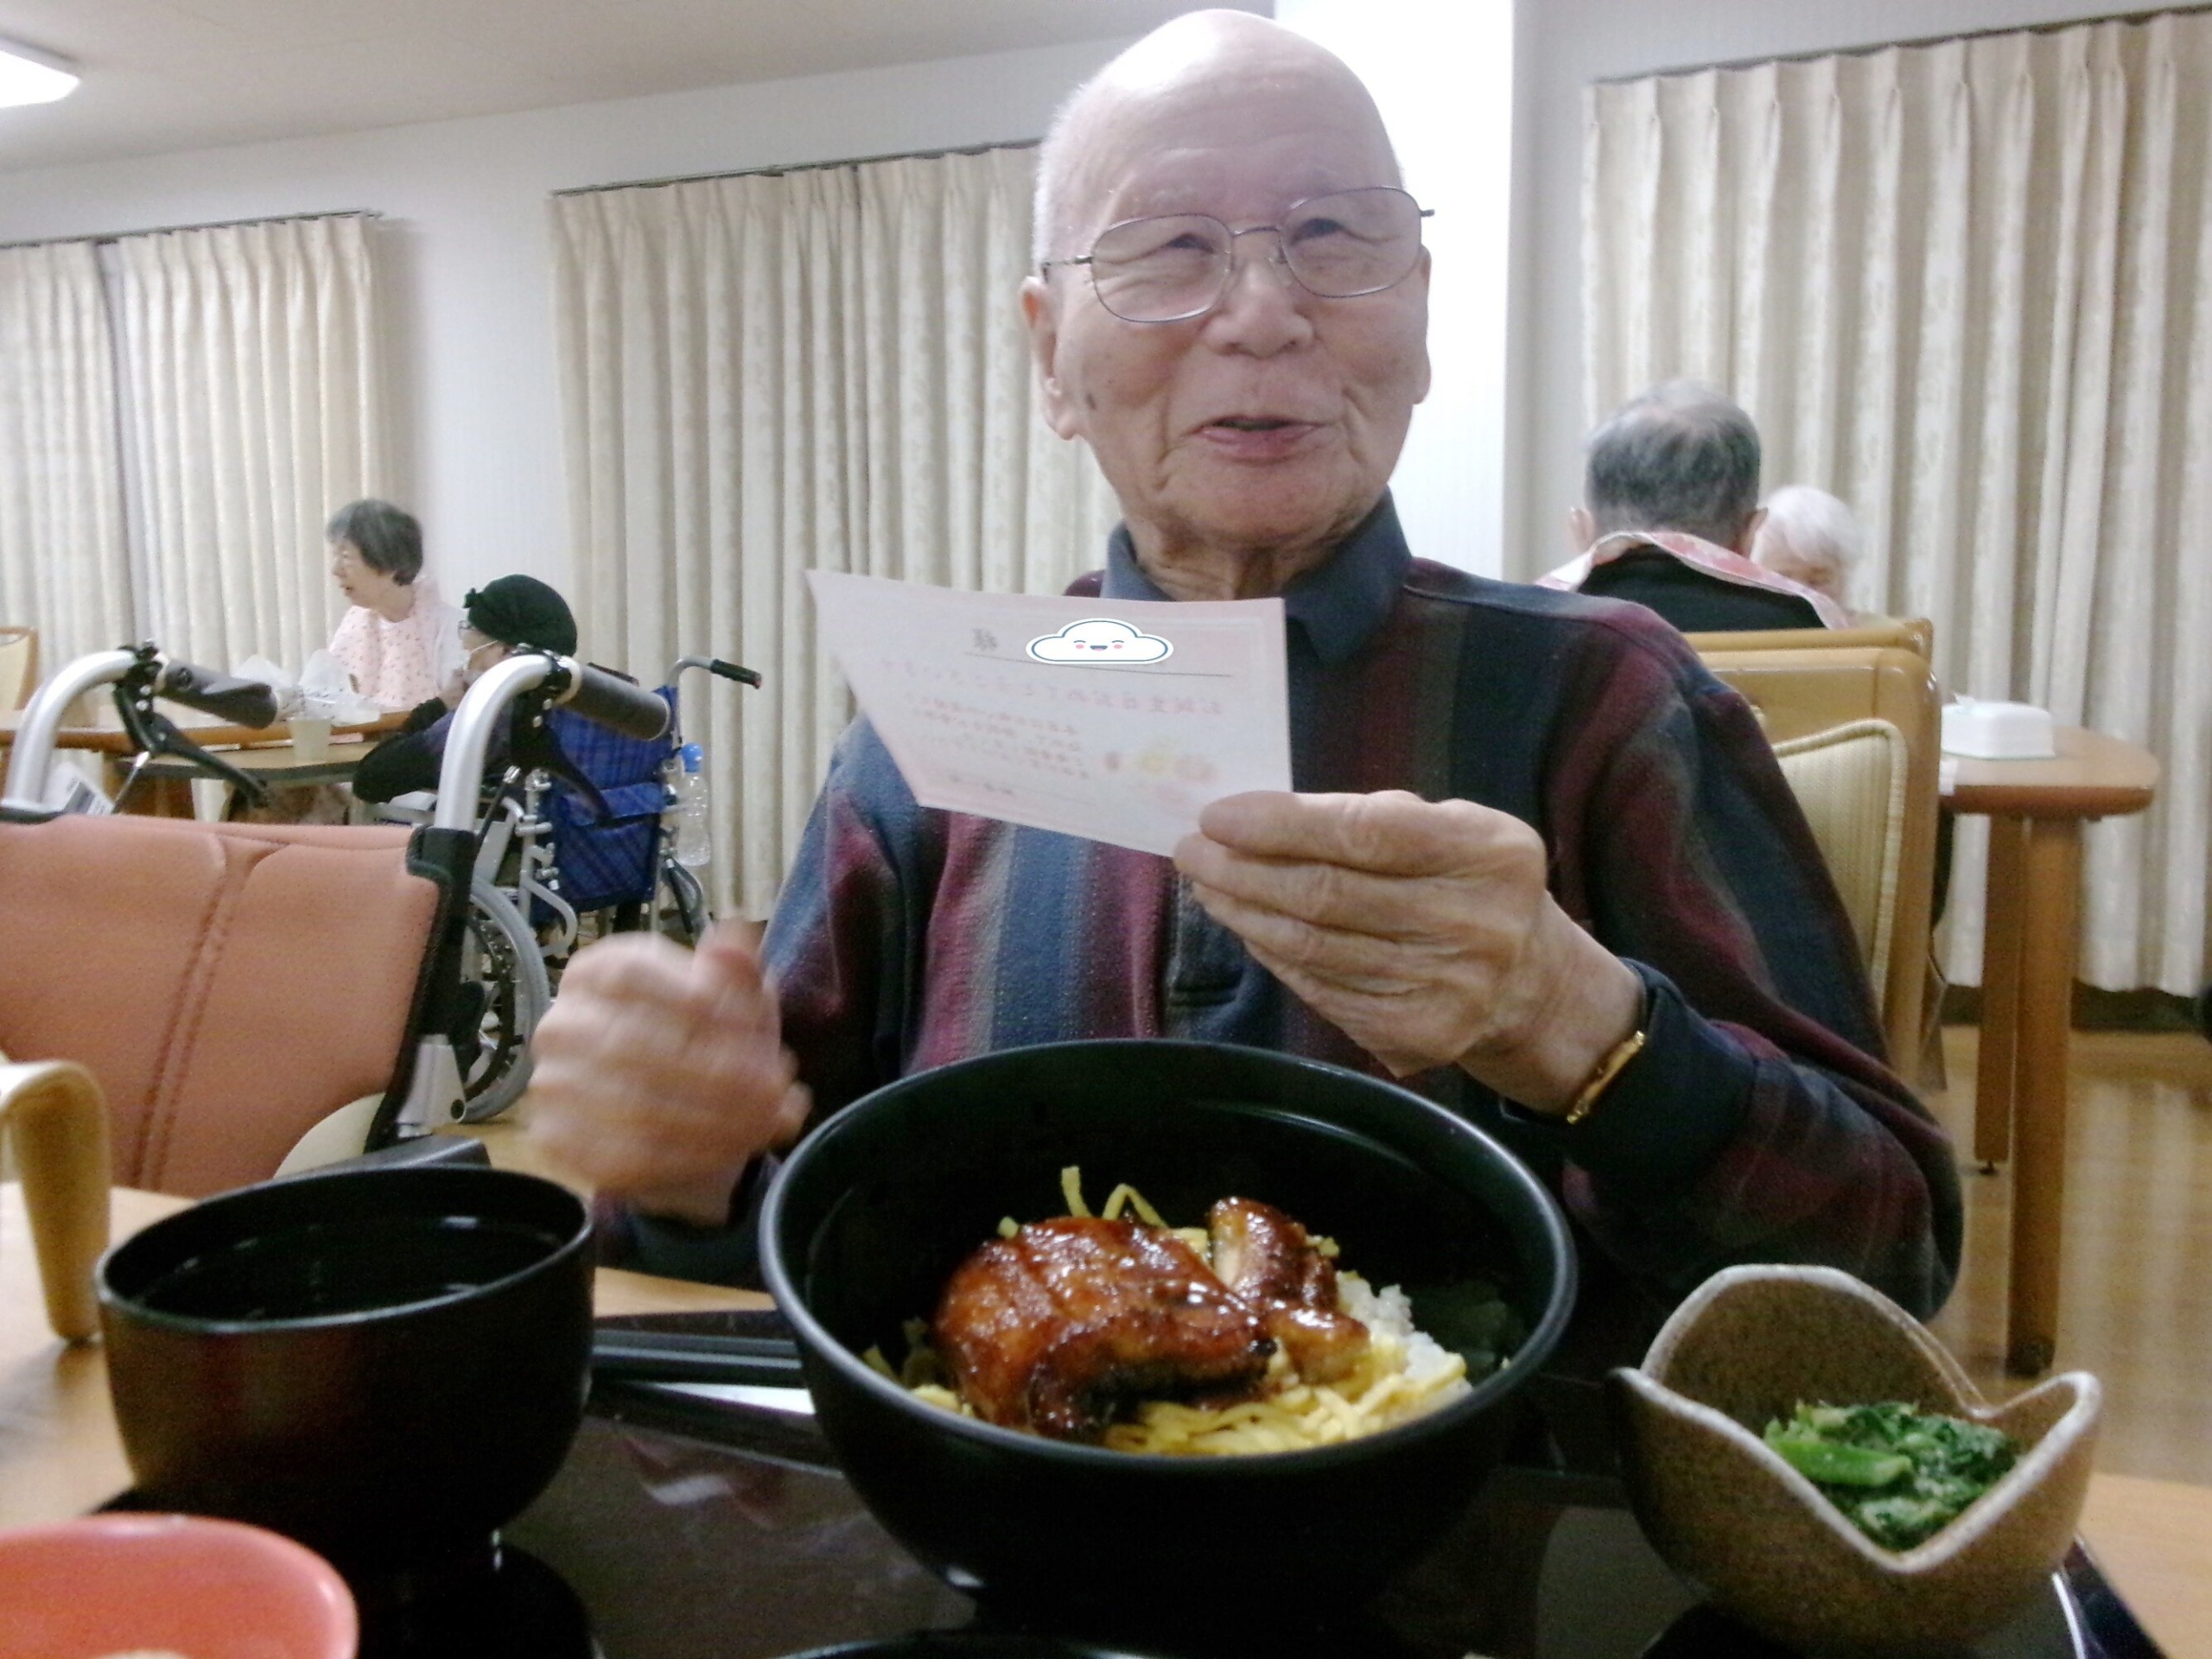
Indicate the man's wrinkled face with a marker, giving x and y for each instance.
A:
(1274, 420)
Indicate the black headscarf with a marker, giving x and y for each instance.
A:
(523, 611)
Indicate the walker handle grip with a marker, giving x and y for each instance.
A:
(243, 702)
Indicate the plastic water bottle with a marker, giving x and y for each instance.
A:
(693, 846)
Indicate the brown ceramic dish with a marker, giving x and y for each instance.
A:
(1729, 1514)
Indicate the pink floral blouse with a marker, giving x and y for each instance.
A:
(399, 664)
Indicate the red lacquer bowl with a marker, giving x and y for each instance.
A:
(110, 1584)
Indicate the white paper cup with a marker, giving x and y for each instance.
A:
(310, 740)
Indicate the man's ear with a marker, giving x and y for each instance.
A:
(1040, 309)
(1750, 537)
(1420, 275)
(1581, 531)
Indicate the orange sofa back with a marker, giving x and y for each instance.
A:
(230, 985)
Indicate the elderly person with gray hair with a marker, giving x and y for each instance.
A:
(400, 642)
(1810, 538)
(1671, 508)
(1538, 865)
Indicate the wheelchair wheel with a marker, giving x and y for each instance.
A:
(505, 977)
(679, 904)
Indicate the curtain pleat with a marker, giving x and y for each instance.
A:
(64, 559)
(251, 356)
(1967, 287)
(765, 374)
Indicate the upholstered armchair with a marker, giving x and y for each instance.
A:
(1856, 730)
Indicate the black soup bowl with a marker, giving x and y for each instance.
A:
(874, 1209)
(386, 1365)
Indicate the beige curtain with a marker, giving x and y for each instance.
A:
(251, 358)
(766, 373)
(64, 562)
(1967, 287)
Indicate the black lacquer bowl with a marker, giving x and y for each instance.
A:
(875, 1209)
(386, 1365)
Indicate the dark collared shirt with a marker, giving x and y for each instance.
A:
(1758, 1125)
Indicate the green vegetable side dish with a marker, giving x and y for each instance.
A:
(1899, 1473)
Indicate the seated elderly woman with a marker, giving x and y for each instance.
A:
(1540, 865)
(400, 642)
(514, 612)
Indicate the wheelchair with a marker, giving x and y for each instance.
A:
(565, 850)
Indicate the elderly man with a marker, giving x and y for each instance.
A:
(1810, 538)
(1538, 865)
(1671, 508)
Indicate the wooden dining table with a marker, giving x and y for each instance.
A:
(59, 1455)
(164, 786)
(107, 736)
(2031, 935)
(264, 751)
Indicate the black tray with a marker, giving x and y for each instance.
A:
(681, 1529)
(700, 1530)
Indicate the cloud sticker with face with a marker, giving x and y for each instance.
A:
(1099, 641)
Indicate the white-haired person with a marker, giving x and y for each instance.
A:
(1538, 865)
(1813, 539)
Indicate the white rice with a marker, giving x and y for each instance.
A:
(1389, 1312)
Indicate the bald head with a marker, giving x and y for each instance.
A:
(1246, 417)
(1199, 61)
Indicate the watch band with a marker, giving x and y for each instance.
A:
(1611, 1066)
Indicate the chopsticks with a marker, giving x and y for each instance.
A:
(672, 1356)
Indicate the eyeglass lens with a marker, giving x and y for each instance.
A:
(1177, 265)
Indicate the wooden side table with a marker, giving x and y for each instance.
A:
(2030, 940)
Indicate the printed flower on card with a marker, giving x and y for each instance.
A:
(1099, 640)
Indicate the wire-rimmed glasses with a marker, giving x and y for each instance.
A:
(1172, 267)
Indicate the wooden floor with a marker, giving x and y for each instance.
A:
(2136, 1308)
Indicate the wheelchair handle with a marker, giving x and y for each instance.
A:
(742, 674)
(243, 702)
(609, 700)
(596, 695)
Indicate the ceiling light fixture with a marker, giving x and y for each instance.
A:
(31, 76)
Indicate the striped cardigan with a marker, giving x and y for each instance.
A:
(1758, 1124)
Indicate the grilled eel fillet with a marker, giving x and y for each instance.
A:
(1270, 1263)
(1052, 1329)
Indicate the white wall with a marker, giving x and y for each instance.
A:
(1564, 44)
(476, 392)
(1442, 72)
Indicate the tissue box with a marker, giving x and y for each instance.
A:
(1997, 731)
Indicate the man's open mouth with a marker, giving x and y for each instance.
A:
(1252, 423)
